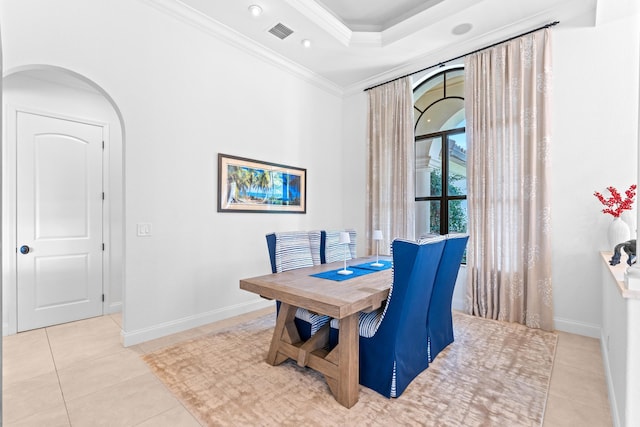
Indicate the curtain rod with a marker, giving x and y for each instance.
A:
(441, 64)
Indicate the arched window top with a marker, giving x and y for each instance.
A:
(440, 153)
(439, 102)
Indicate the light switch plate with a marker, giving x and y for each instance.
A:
(144, 229)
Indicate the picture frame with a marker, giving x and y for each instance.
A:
(248, 185)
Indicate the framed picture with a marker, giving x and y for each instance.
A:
(246, 185)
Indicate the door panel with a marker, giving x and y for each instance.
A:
(61, 280)
(59, 212)
(61, 187)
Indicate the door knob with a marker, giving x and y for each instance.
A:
(24, 249)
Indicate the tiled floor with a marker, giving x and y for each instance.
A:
(78, 374)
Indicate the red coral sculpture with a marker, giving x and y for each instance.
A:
(615, 204)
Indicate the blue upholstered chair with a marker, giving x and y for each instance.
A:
(393, 348)
(439, 321)
(287, 251)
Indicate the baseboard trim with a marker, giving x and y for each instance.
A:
(579, 328)
(613, 405)
(115, 307)
(179, 325)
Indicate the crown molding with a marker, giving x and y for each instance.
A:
(367, 39)
(198, 20)
(320, 16)
(486, 38)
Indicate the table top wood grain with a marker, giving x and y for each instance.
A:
(337, 299)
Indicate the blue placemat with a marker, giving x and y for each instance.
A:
(367, 266)
(333, 274)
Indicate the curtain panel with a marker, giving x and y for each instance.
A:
(507, 102)
(391, 166)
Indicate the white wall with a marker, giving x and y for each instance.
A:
(21, 92)
(354, 153)
(594, 146)
(186, 96)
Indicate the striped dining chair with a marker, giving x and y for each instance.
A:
(288, 251)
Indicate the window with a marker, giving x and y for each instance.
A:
(440, 154)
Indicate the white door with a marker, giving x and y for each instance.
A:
(59, 216)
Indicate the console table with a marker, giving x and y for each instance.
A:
(620, 342)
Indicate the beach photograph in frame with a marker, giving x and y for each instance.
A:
(247, 185)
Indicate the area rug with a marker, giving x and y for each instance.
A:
(494, 374)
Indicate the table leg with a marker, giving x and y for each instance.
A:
(340, 366)
(348, 361)
(284, 331)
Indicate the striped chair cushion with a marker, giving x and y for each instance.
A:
(352, 243)
(368, 323)
(431, 238)
(334, 251)
(393, 381)
(315, 240)
(293, 250)
(315, 320)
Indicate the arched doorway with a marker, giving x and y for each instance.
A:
(51, 96)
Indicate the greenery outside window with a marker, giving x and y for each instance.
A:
(440, 154)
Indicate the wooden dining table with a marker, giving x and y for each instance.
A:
(342, 300)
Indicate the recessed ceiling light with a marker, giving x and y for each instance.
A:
(255, 10)
(306, 43)
(462, 29)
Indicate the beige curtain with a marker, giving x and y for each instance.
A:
(390, 172)
(507, 101)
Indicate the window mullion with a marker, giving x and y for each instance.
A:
(444, 221)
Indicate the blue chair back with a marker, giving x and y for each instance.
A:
(439, 321)
(271, 247)
(396, 353)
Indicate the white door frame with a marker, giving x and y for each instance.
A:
(10, 221)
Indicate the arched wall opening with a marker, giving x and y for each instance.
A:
(63, 93)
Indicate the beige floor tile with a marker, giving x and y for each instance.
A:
(117, 317)
(580, 385)
(19, 343)
(124, 404)
(176, 417)
(578, 357)
(56, 417)
(90, 375)
(85, 340)
(579, 341)
(564, 412)
(32, 396)
(87, 326)
(25, 355)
